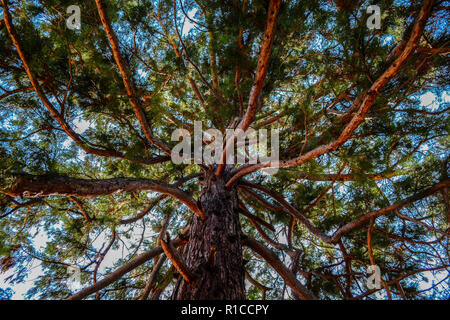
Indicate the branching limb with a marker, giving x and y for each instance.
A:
(351, 225)
(80, 141)
(291, 210)
(46, 185)
(263, 235)
(155, 202)
(261, 72)
(129, 266)
(363, 104)
(397, 206)
(127, 80)
(144, 212)
(282, 270)
(81, 207)
(190, 79)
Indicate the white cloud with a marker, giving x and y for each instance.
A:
(429, 99)
(188, 25)
(80, 125)
(67, 142)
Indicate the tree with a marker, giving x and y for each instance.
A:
(85, 147)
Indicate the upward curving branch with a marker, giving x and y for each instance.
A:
(339, 233)
(129, 266)
(282, 270)
(79, 140)
(127, 80)
(261, 72)
(46, 185)
(40, 93)
(363, 104)
(172, 253)
(263, 64)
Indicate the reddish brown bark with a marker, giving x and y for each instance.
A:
(127, 80)
(362, 105)
(214, 252)
(33, 186)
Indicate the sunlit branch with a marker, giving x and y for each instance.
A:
(151, 279)
(351, 225)
(129, 266)
(127, 80)
(177, 261)
(282, 270)
(261, 72)
(363, 104)
(46, 185)
(80, 141)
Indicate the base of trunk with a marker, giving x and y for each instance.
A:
(214, 251)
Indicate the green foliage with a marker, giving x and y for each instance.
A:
(319, 54)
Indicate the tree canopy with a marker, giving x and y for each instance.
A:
(87, 116)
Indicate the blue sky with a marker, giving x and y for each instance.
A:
(428, 100)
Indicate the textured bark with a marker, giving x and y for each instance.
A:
(45, 185)
(214, 253)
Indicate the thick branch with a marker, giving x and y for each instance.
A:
(291, 210)
(284, 272)
(40, 93)
(172, 253)
(157, 200)
(366, 102)
(261, 72)
(351, 225)
(397, 206)
(131, 265)
(257, 285)
(127, 81)
(53, 111)
(46, 185)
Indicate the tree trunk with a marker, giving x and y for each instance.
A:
(214, 252)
